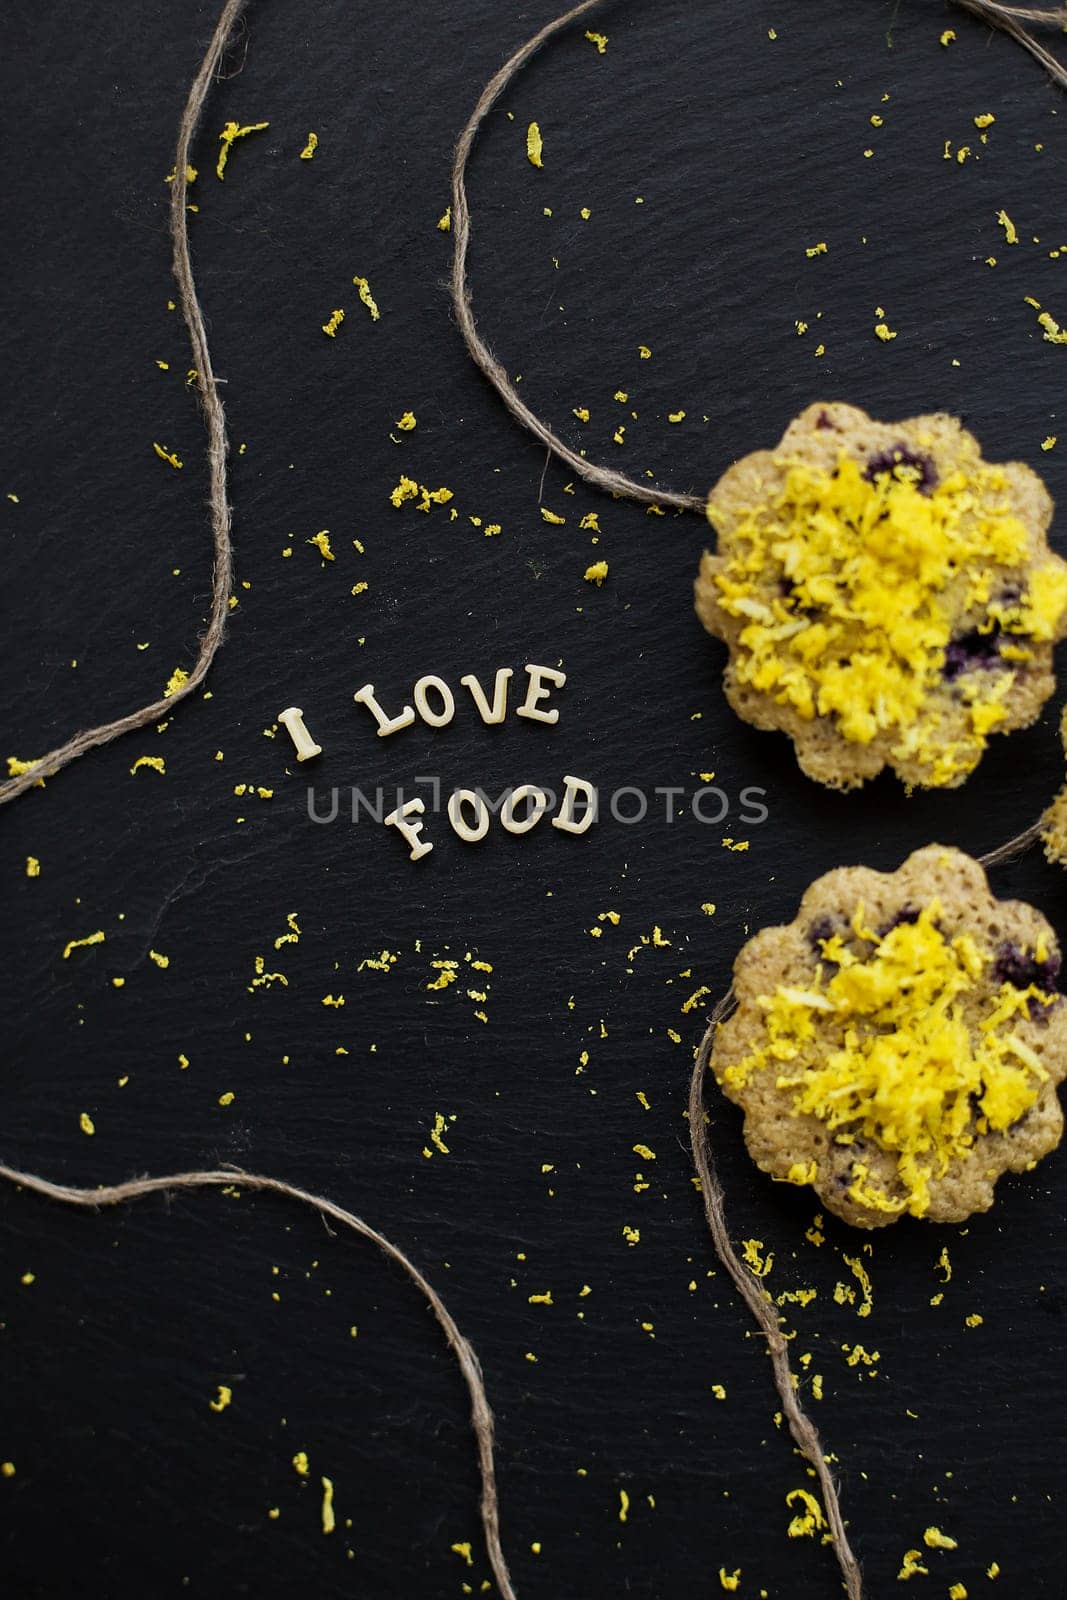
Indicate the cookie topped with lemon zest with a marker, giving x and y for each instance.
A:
(898, 1045)
(887, 597)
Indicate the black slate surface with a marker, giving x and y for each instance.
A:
(746, 151)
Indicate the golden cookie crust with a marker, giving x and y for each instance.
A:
(945, 751)
(802, 1147)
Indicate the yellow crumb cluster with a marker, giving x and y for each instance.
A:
(859, 629)
(231, 132)
(882, 1051)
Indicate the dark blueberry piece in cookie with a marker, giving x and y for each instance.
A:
(972, 652)
(1023, 969)
(906, 914)
(923, 473)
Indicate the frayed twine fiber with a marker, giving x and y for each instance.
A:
(1011, 19)
(227, 1177)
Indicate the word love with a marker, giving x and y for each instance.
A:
(436, 704)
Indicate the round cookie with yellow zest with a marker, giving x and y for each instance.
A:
(898, 1045)
(887, 597)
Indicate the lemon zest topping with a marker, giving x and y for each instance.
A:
(895, 1062)
(861, 632)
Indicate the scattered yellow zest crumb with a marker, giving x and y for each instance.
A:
(160, 960)
(444, 223)
(985, 119)
(552, 516)
(169, 456)
(78, 944)
(361, 587)
(228, 1098)
(631, 1235)
(541, 1299)
(708, 908)
(86, 1123)
(957, 1592)
(310, 148)
(719, 1391)
(1011, 233)
(329, 1521)
(735, 844)
(819, 249)
(367, 298)
(876, 120)
(624, 1505)
(1049, 442)
(224, 1397)
(585, 213)
(534, 145)
(336, 318)
(911, 1566)
(321, 541)
(596, 573)
(300, 1462)
(993, 1570)
(859, 1272)
(644, 352)
(406, 422)
(177, 680)
(439, 1125)
(947, 37)
(934, 1539)
(752, 1250)
(730, 1581)
(157, 763)
(642, 1099)
(974, 1320)
(599, 39)
(463, 1550)
(676, 416)
(644, 1152)
(808, 1522)
(33, 867)
(7, 1469)
(231, 132)
(332, 1000)
(884, 332)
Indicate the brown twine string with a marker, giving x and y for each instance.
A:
(752, 1292)
(481, 1414)
(1009, 19)
(217, 444)
(606, 478)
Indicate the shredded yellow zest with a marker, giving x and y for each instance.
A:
(367, 298)
(230, 132)
(80, 944)
(810, 1521)
(169, 456)
(881, 1051)
(321, 541)
(596, 573)
(310, 148)
(860, 631)
(329, 1521)
(598, 39)
(335, 320)
(156, 762)
(225, 1395)
(534, 145)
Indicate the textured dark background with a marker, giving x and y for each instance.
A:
(746, 151)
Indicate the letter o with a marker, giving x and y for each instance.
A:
(456, 801)
(724, 801)
(614, 806)
(436, 719)
(525, 791)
